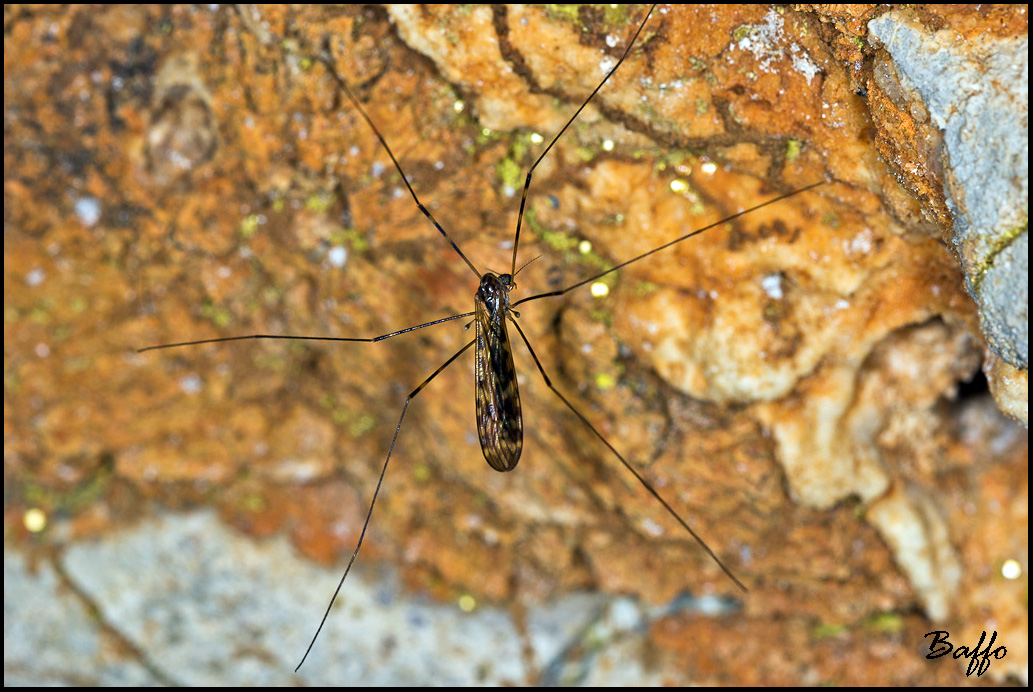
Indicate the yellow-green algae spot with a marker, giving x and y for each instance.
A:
(793, 149)
(249, 226)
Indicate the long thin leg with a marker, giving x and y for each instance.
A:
(376, 492)
(629, 467)
(527, 181)
(368, 340)
(327, 59)
(667, 245)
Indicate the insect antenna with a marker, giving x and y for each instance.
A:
(524, 265)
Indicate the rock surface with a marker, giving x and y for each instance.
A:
(803, 383)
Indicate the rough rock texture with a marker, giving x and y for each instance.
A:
(802, 383)
(962, 93)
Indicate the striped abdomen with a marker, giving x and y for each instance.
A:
(499, 423)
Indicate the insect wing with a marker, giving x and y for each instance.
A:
(499, 423)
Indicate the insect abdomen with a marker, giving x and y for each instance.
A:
(499, 423)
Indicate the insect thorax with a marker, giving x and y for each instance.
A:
(494, 293)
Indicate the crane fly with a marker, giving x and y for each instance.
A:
(498, 408)
(500, 427)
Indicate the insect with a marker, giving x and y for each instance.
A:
(499, 414)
